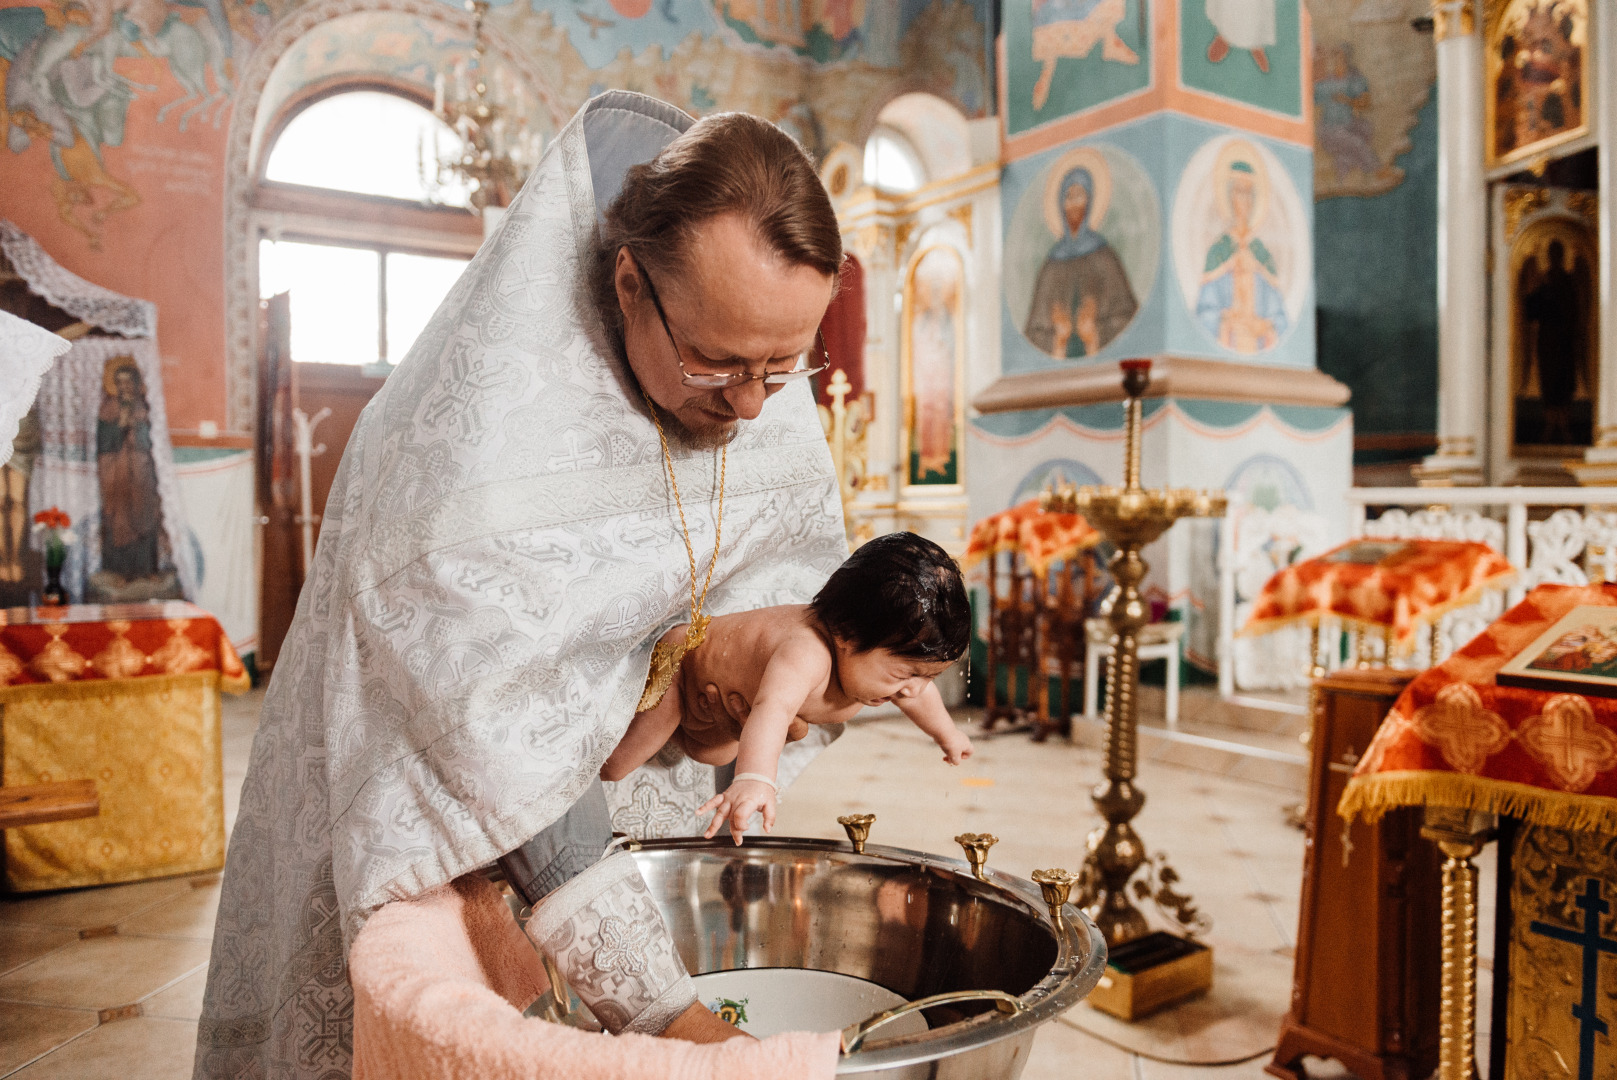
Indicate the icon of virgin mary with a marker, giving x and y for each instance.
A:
(1082, 298)
(131, 514)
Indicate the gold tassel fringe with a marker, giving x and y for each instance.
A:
(1373, 796)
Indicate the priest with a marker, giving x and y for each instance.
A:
(605, 431)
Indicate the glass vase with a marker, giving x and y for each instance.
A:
(54, 594)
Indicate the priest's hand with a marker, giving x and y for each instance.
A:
(737, 804)
(697, 1024)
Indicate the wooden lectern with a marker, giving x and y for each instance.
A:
(1365, 989)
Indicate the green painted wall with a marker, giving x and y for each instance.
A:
(1375, 265)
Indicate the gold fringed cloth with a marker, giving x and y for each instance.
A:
(127, 696)
(153, 748)
(1041, 537)
(1397, 585)
(114, 641)
(1455, 738)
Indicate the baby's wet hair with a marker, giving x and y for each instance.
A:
(899, 592)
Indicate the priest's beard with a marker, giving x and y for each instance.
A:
(703, 424)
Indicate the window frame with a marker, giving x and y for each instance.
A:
(297, 213)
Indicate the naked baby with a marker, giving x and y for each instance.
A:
(889, 621)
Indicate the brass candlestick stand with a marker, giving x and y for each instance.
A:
(1130, 517)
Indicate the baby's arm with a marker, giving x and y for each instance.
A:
(927, 712)
(792, 673)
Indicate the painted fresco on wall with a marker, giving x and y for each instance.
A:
(598, 32)
(1554, 324)
(933, 360)
(1052, 473)
(822, 30)
(1375, 188)
(391, 45)
(71, 73)
(116, 114)
(1538, 77)
(1066, 56)
(825, 31)
(1081, 251)
(1372, 74)
(1241, 244)
(1246, 50)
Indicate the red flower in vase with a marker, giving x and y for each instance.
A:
(52, 518)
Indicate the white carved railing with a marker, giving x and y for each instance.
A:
(1576, 543)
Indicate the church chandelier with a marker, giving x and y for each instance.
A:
(483, 104)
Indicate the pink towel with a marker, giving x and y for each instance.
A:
(439, 985)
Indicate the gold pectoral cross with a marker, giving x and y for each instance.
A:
(696, 633)
(666, 657)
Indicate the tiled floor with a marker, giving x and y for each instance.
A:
(107, 983)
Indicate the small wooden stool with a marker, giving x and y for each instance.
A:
(1158, 641)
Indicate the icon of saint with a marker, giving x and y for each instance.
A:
(1241, 301)
(934, 352)
(1082, 298)
(1555, 381)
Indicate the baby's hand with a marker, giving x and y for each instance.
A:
(737, 804)
(956, 747)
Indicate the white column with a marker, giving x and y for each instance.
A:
(1462, 239)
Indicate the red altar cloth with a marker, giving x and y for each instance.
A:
(1041, 537)
(114, 641)
(1399, 585)
(1456, 738)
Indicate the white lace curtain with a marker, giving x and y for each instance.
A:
(69, 403)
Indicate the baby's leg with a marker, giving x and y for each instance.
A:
(703, 733)
(648, 732)
(706, 753)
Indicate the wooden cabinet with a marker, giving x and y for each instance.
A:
(1365, 988)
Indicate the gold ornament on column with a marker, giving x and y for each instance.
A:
(847, 429)
(1460, 835)
(1130, 517)
(1453, 18)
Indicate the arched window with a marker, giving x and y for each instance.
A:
(918, 139)
(355, 224)
(891, 163)
(368, 143)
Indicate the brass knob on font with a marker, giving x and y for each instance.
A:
(857, 826)
(1056, 884)
(976, 847)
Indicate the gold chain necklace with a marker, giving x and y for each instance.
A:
(666, 657)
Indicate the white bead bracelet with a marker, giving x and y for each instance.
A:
(760, 777)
